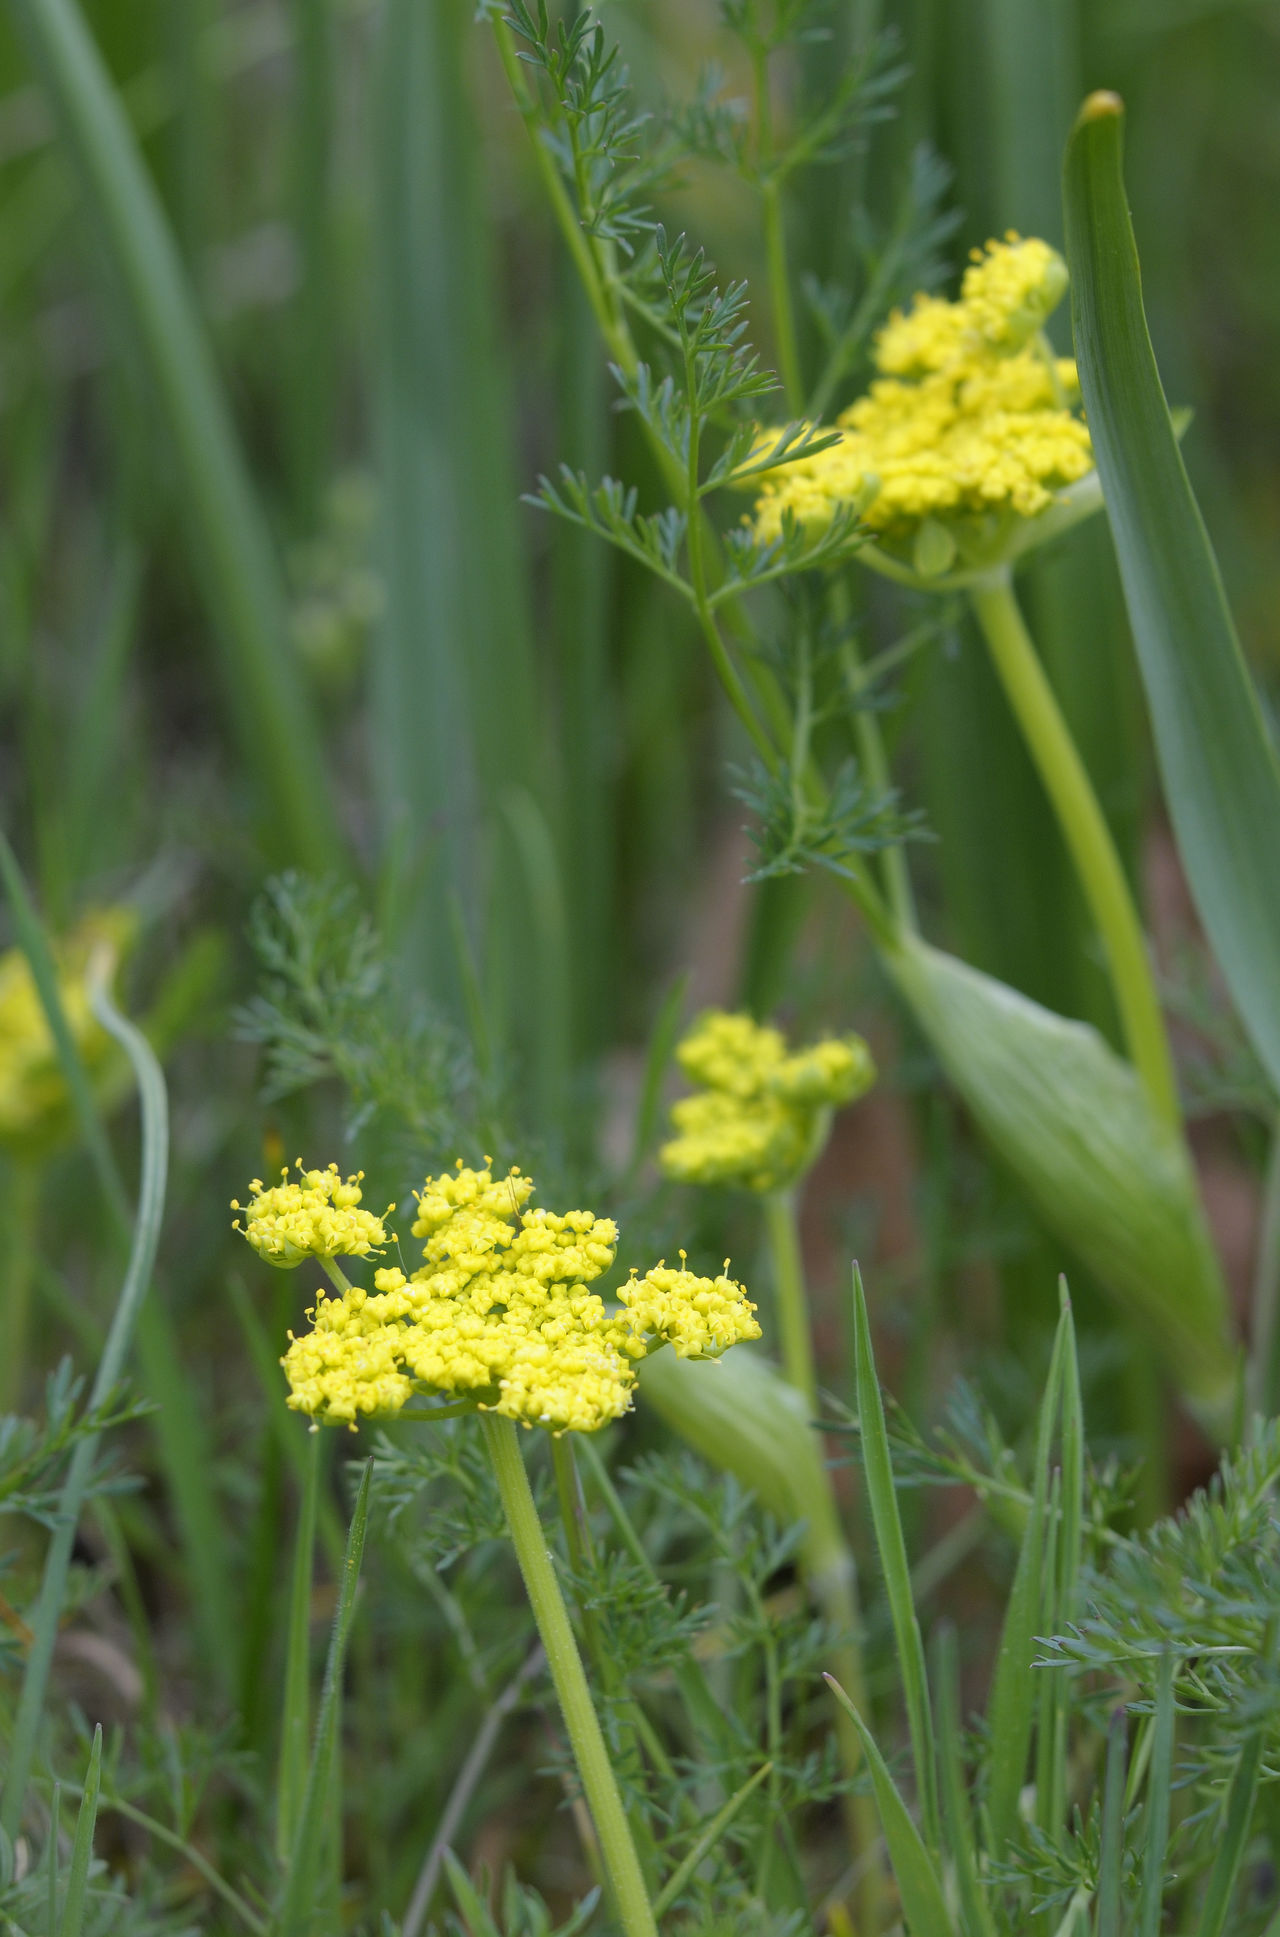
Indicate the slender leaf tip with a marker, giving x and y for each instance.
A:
(1102, 105)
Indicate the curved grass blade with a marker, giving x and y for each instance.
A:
(303, 1878)
(1219, 766)
(923, 1902)
(883, 1500)
(146, 1235)
(267, 702)
(82, 1847)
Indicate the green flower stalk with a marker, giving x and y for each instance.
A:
(969, 450)
(759, 1119)
(499, 1319)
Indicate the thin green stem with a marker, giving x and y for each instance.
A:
(784, 322)
(875, 761)
(23, 1210)
(829, 1566)
(295, 1732)
(792, 1305)
(137, 1277)
(590, 1753)
(1262, 1381)
(1086, 834)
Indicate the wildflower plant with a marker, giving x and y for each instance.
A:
(499, 1320)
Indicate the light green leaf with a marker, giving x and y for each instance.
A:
(1219, 766)
(923, 1903)
(877, 1466)
(1069, 1119)
(82, 1848)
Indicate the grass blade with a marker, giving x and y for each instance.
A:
(1219, 766)
(82, 1847)
(956, 1815)
(1159, 1785)
(303, 1876)
(710, 1836)
(267, 702)
(1112, 1848)
(923, 1902)
(1235, 1831)
(1013, 1697)
(883, 1499)
(55, 1821)
(662, 1044)
(146, 1236)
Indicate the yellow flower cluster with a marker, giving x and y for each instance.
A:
(318, 1217)
(761, 1115)
(500, 1311)
(33, 1095)
(972, 420)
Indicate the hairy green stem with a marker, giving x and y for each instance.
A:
(590, 1753)
(1086, 833)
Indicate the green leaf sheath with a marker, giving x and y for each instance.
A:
(1070, 1120)
(1217, 761)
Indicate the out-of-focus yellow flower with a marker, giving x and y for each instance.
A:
(761, 1115)
(34, 1104)
(501, 1311)
(972, 426)
(318, 1217)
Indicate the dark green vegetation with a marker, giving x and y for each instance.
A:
(418, 813)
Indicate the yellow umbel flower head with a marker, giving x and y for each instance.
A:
(972, 430)
(34, 1104)
(500, 1312)
(761, 1116)
(318, 1217)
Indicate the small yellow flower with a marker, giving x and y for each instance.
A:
(972, 423)
(500, 1311)
(761, 1115)
(318, 1217)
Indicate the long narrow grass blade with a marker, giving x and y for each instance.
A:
(1012, 1703)
(295, 1721)
(883, 1500)
(1070, 1551)
(662, 1043)
(266, 700)
(539, 867)
(1069, 1119)
(146, 1236)
(1159, 1786)
(1218, 762)
(186, 1458)
(961, 1843)
(923, 1901)
(1235, 1831)
(82, 1847)
(1048, 1686)
(710, 1836)
(55, 1830)
(1112, 1848)
(303, 1876)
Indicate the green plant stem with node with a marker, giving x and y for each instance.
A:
(617, 1847)
(1085, 831)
